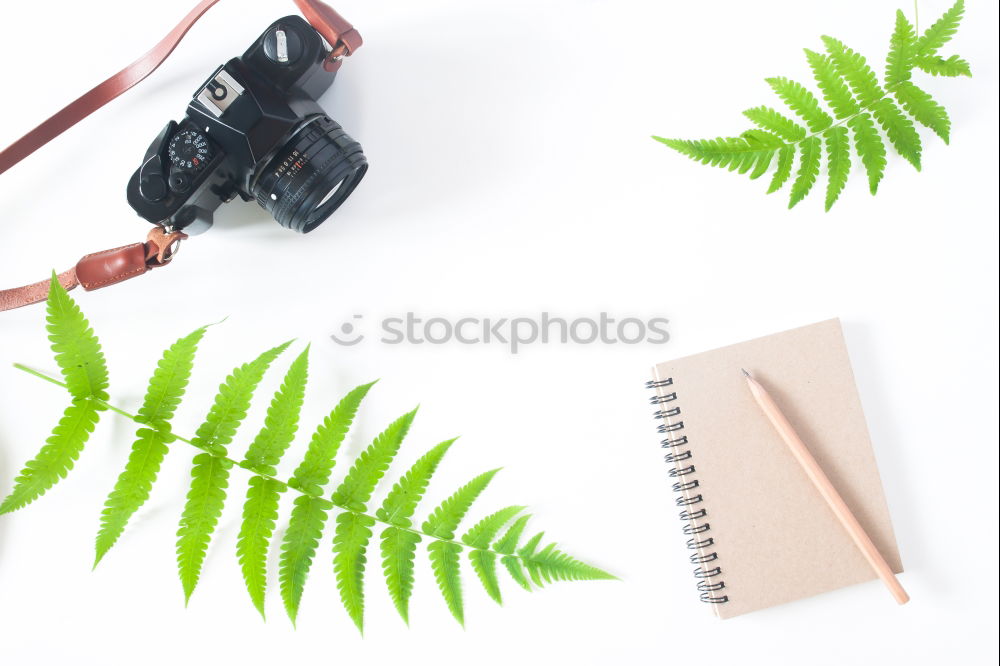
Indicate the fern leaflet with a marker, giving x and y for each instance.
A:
(349, 546)
(356, 489)
(209, 480)
(444, 562)
(399, 548)
(941, 32)
(446, 517)
(76, 348)
(260, 511)
(305, 528)
(838, 151)
(163, 395)
(56, 458)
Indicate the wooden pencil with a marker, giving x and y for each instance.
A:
(826, 489)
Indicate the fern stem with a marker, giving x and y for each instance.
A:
(343, 509)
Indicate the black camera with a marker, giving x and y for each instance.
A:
(254, 129)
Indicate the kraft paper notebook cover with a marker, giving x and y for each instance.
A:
(759, 532)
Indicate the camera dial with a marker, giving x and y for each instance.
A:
(189, 151)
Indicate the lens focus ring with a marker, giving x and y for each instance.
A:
(311, 175)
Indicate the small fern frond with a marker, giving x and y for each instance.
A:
(941, 32)
(812, 151)
(305, 529)
(209, 480)
(232, 402)
(852, 90)
(924, 109)
(282, 420)
(444, 561)
(356, 488)
(163, 395)
(313, 472)
(399, 548)
(402, 500)
(260, 512)
(76, 348)
(445, 518)
(838, 152)
(768, 119)
(937, 66)
(835, 91)
(870, 147)
(800, 100)
(349, 546)
(56, 458)
(902, 50)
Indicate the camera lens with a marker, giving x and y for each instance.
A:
(311, 175)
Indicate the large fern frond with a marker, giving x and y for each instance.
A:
(852, 91)
(82, 365)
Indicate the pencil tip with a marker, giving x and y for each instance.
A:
(745, 373)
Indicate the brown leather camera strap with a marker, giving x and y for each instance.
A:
(112, 266)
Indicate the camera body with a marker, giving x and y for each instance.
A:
(255, 130)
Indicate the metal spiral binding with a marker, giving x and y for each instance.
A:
(690, 515)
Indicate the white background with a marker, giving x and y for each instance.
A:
(511, 173)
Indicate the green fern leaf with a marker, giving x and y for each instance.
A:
(314, 471)
(869, 145)
(855, 70)
(260, 511)
(902, 49)
(812, 151)
(444, 561)
(484, 563)
(209, 480)
(733, 153)
(399, 548)
(282, 420)
(356, 489)
(166, 388)
(942, 31)
(831, 84)
(481, 534)
(526, 553)
(924, 109)
(56, 458)
(516, 571)
(937, 66)
(786, 159)
(552, 564)
(508, 543)
(402, 500)
(445, 518)
(305, 529)
(800, 100)
(77, 350)
(767, 118)
(899, 129)
(349, 546)
(838, 151)
(232, 402)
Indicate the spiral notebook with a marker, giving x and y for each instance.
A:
(758, 531)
